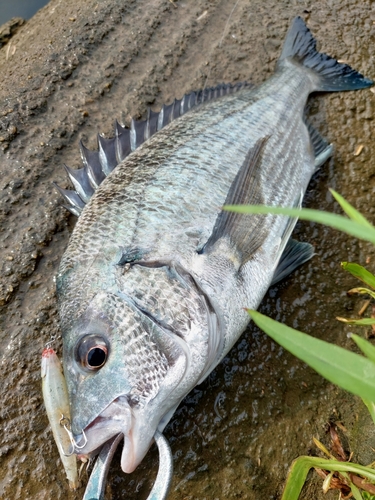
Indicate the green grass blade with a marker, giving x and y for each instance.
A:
(371, 408)
(359, 272)
(296, 478)
(301, 466)
(354, 490)
(366, 347)
(350, 210)
(358, 322)
(364, 291)
(332, 220)
(348, 370)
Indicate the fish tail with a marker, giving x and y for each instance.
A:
(328, 74)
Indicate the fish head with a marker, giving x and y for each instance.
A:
(122, 370)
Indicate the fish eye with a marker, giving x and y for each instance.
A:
(92, 352)
(96, 357)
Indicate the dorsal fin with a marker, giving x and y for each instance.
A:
(107, 154)
(76, 204)
(92, 162)
(80, 180)
(123, 147)
(240, 229)
(98, 164)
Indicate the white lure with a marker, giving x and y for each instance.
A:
(56, 401)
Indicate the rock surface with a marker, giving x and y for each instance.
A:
(9, 29)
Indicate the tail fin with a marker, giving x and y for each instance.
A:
(331, 75)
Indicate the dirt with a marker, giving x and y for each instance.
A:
(67, 74)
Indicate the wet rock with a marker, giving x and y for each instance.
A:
(10, 28)
(7, 290)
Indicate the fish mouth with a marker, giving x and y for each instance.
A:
(117, 418)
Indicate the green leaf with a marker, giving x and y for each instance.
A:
(367, 496)
(301, 466)
(336, 221)
(359, 272)
(366, 347)
(359, 322)
(348, 370)
(350, 210)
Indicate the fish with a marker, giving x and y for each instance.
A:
(155, 278)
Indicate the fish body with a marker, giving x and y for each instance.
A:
(153, 283)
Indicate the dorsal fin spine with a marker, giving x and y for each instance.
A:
(99, 164)
(81, 182)
(107, 154)
(123, 147)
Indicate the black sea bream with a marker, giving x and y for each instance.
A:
(153, 284)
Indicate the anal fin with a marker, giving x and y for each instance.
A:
(295, 254)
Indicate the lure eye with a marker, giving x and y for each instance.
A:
(92, 352)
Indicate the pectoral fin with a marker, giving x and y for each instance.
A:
(243, 231)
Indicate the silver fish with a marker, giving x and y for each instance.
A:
(152, 286)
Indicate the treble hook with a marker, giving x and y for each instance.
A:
(64, 422)
(50, 342)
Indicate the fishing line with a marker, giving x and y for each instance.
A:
(226, 24)
(221, 40)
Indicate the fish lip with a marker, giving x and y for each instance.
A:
(129, 456)
(129, 460)
(119, 418)
(93, 446)
(116, 418)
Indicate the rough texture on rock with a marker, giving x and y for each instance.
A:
(10, 28)
(67, 74)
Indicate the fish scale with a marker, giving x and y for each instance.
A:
(169, 301)
(155, 185)
(153, 284)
